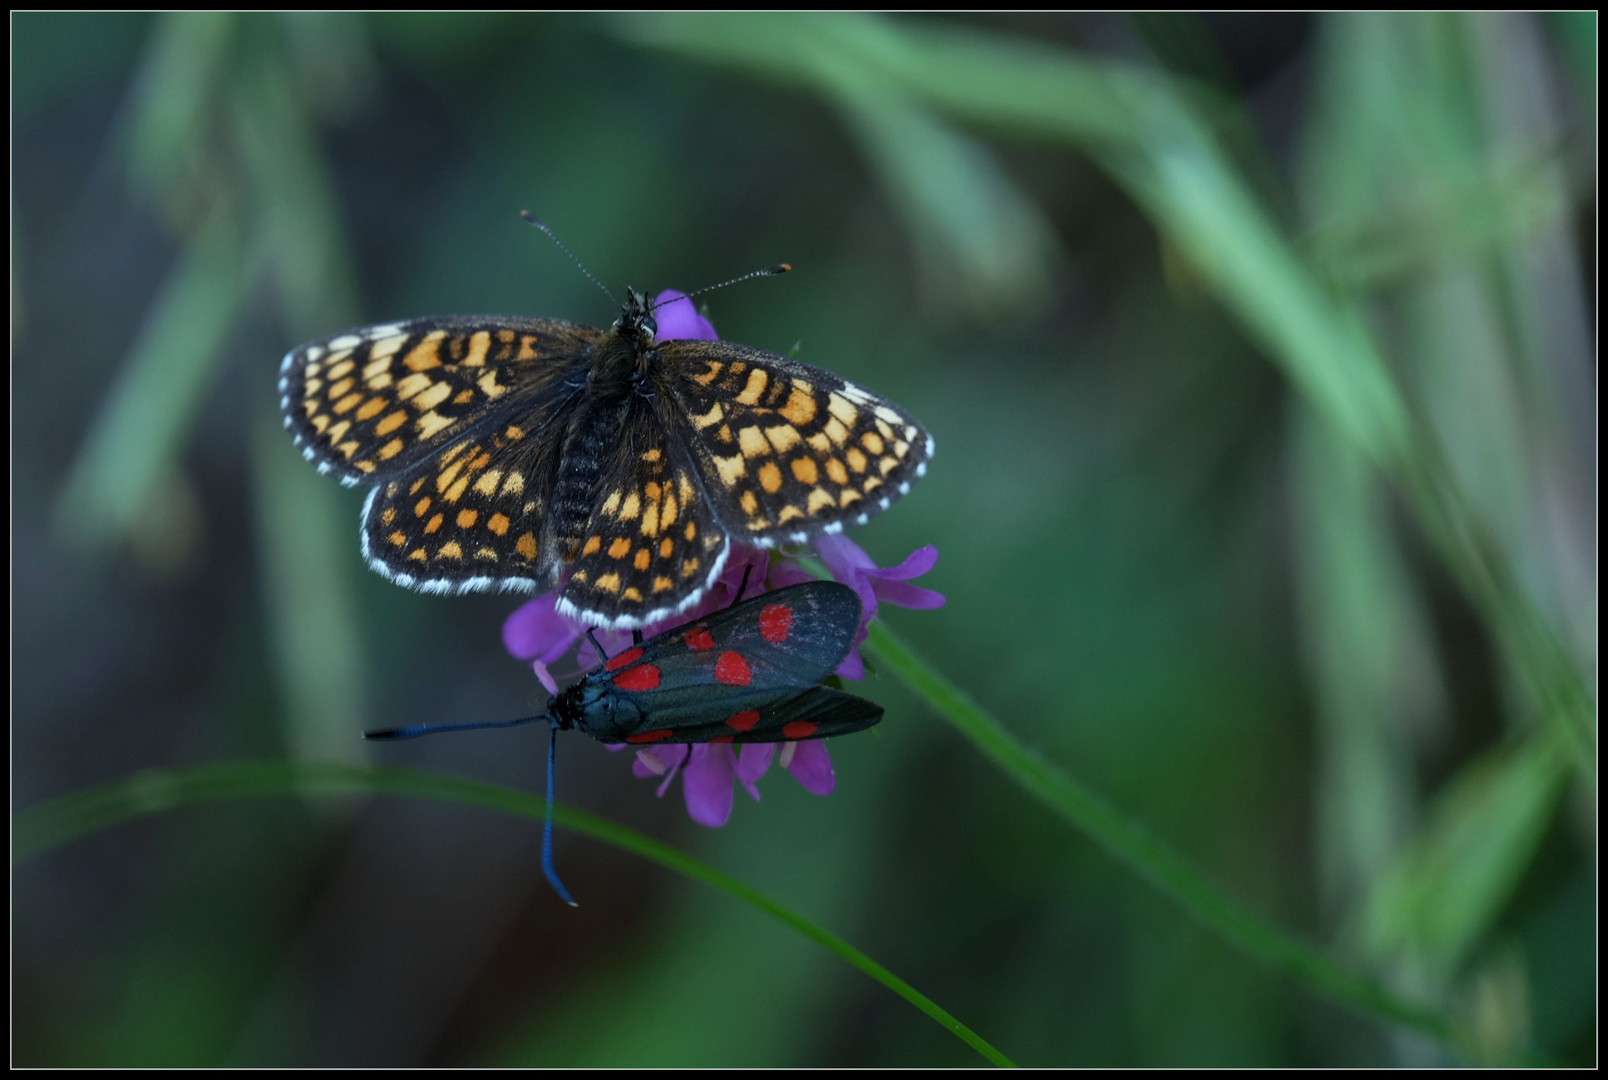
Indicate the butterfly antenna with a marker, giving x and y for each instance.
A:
(547, 828)
(769, 271)
(551, 235)
(430, 729)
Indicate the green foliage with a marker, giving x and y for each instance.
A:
(1259, 354)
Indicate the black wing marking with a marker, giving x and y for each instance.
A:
(652, 544)
(789, 450)
(471, 520)
(374, 403)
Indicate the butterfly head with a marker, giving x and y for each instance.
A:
(636, 321)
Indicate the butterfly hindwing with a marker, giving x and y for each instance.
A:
(375, 403)
(789, 450)
(652, 544)
(471, 521)
(522, 453)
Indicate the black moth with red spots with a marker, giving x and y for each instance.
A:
(746, 674)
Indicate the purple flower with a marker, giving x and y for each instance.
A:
(709, 768)
(849, 564)
(678, 319)
(538, 634)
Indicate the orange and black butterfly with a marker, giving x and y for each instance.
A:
(517, 454)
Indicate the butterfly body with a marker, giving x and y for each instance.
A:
(749, 673)
(621, 367)
(520, 453)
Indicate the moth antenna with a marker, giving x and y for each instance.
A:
(416, 730)
(769, 271)
(551, 235)
(547, 828)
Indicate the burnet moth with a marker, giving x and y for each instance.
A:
(747, 674)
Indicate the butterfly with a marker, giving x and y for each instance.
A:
(519, 453)
(749, 673)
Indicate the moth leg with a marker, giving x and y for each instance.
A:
(592, 637)
(742, 586)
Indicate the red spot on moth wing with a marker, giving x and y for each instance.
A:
(775, 623)
(641, 677)
(724, 738)
(732, 670)
(743, 721)
(650, 736)
(798, 729)
(629, 656)
(698, 638)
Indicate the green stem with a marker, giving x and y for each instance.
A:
(1142, 852)
(47, 825)
(1149, 132)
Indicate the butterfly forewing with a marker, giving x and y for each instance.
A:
(376, 402)
(789, 450)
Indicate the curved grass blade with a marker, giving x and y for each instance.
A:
(1138, 849)
(50, 824)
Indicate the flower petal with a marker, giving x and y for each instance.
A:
(902, 595)
(917, 563)
(707, 784)
(787, 572)
(842, 556)
(678, 319)
(752, 764)
(812, 767)
(535, 631)
(544, 676)
(671, 757)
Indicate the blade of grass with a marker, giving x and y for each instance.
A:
(42, 827)
(1139, 850)
(146, 417)
(1145, 130)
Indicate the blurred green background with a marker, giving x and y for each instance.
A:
(1260, 356)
